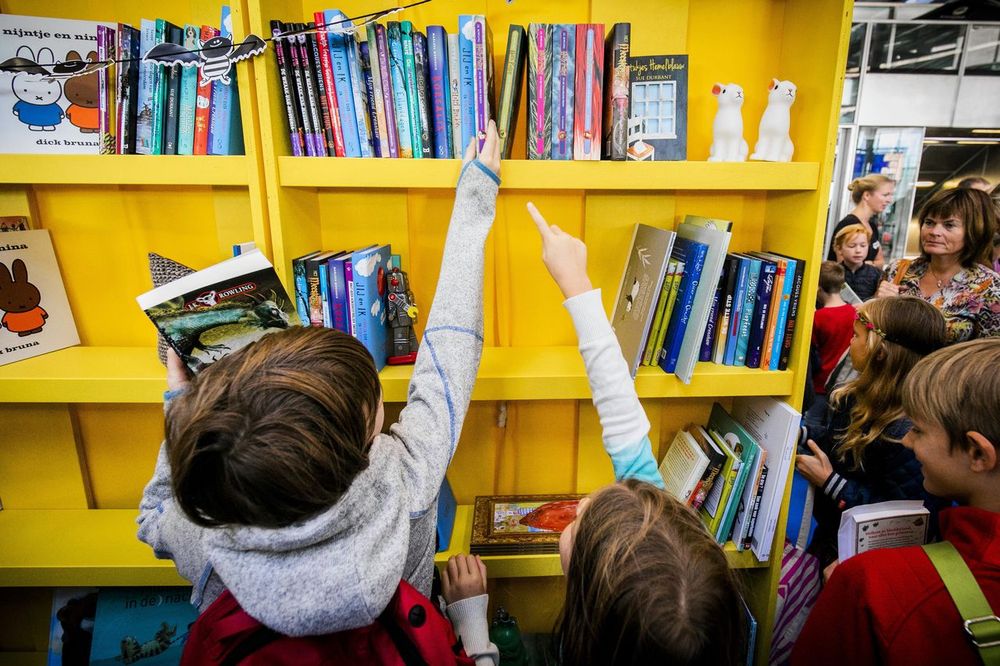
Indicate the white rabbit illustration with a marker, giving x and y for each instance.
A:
(37, 94)
(773, 142)
(728, 144)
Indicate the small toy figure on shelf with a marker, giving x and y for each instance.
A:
(505, 634)
(773, 142)
(402, 316)
(728, 144)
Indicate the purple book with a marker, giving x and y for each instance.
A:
(440, 90)
(382, 47)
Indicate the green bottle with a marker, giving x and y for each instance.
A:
(505, 634)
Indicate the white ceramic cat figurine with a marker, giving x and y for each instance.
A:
(728, 144)
(773, 142)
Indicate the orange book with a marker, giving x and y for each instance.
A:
(772, 317)
(203, 103)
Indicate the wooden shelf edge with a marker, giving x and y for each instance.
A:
(152, 170)
(354, 173)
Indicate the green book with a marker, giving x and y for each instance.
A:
(715, 503)
(668, 308)
(160, 84)
(412, 101)
(510, 89)
(661, 305)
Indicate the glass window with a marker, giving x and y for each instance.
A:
(983, 56)
(656, 103)
(915, 48)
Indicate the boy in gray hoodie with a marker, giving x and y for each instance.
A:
(275, 481)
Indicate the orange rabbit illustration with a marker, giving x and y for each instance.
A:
(83, 93)
(19, 300)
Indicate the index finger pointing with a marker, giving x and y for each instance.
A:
(543, 226)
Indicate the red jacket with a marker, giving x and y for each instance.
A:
(832, 331)
(889, 606)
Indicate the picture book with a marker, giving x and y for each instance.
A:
(589, 95)
(42, 115)
(71, 626)
(658, 107)
(539, 90)
(36, 318)
(466, 74)
(520, 524)
(616, 91)
(683, 465)
(774, 425)
(562, 101)
(147, 623)
(369, 267)
(892, 524)
(217, 310)
(645, 268)
(510, 89)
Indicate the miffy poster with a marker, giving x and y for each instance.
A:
(39, 114)
(34, 313)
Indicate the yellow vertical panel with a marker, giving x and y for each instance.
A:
(121, 443)
(17, 200)
(473, 468)
(745, 211)
(675, 415)
(535, 602)
(593, 467)
(659, 27)
(40, 466)
(538, 452)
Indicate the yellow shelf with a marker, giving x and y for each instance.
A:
(134, 375)
(158, 170)
(94, 547)
(551, 175)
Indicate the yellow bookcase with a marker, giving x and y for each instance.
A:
(81, 427)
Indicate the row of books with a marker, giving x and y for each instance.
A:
(345, 290)
(683, 299)
(733, 470)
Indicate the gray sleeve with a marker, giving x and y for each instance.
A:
(448, 358)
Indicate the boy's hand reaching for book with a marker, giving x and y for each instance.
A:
(177, 373)
(463, 577)
(490, 153)
(565, 256)
(816, 468)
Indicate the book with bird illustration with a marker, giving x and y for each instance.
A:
(213, 312)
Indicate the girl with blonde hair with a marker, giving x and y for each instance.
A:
(871, 195)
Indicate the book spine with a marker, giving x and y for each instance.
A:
(781, 324)
(480, 81)
(668, 312)
(739, 295)
(694, 263)
(562, 102)
(159, 93)
(173, 96)
(793, 315)
(148, 73)
(437, 47)
(399, 91)
(755, 511)
(711, 326)
(324, 294)
(128, 95)
(315, 297)
(761, 310)
(771, 330)
(301, 289)
(727, 524)
(424, 114)
(188, 96)
(364, 61)
(386, 143)
(338, 295)
(287, 89)
(335, 130)
(357, 87)
(326, 126)
(466, 77)
(203, 105)
(589, 98)
(661, 306)
(616, 92)
(222, 100)
(455, 85)
(510, 89)
(410, 81)
(341, 72)
(388, 95)
(349, 282)
(104, 98)
(311, 98)
(746, 317)
(730, 270)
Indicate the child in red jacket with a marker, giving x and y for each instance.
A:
(890, 606)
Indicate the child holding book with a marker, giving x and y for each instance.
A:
(276, 482)
(645, 582)
(833, 326)
(858, 457)
(890, 606)
(851, 245)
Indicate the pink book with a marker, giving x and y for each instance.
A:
(589, 91)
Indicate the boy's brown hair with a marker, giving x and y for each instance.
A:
(958, 388)
(647, 585)
(275, 432)
(978, 215)
(831, 277)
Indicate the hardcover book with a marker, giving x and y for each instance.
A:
(616, 91)
(424, 114)
(213, 312)
(378, 100)
(440, 91)
(203, 105)
(639, 289)
(319, 52)
(455, 86)
(747, 450)
(127, 88)
(149, 74)
(520, 524)
(410, 76)
(224, 97)
(539, 89)
(41, 115)
(71, 627)
(393, 129)
(482, 76)
(658, 121)
(172, 103)
(793, 315)
(147, 623)
(106, 79)
(466, 72)
(188, 95)
(161, 34)
(399, 91)
(510, 89)
(380, 147)
(664, 308)
(726, 309)
(36, 318)
(894, 524)
(358, 89)
(286, 76)
(369, 267)
(761, 312)
(683, 466)
(693, 254)
(562, 101)
(337, 45)
(587, 116)
(749, 297)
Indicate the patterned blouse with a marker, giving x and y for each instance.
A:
(970, 303)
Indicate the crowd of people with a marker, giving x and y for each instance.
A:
(307, 527)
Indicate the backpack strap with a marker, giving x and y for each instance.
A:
(982, 626)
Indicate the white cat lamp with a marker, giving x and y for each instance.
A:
(773, 142)
(728, 144)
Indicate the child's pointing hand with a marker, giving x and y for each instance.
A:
(564, 256)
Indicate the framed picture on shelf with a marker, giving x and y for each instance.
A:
(520, 524)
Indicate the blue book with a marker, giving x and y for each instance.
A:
(446, 508)
(561, 104)
(711, 327)
(437, 47)
(466, 90)
(302, 286)
(761, 311)
(339, 300)
(369, 267)
(324, 293)
(786, 297)
(365, 62)
(358, 88)
(398, 78)
(739, 296)
(746, 316)
(189, 95)
(220, 116)
(148, 75)
(693, 254)
(342, 82)
(149, 621)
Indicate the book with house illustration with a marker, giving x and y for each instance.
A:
(35, 317)
(657, 127)
(213, 312)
